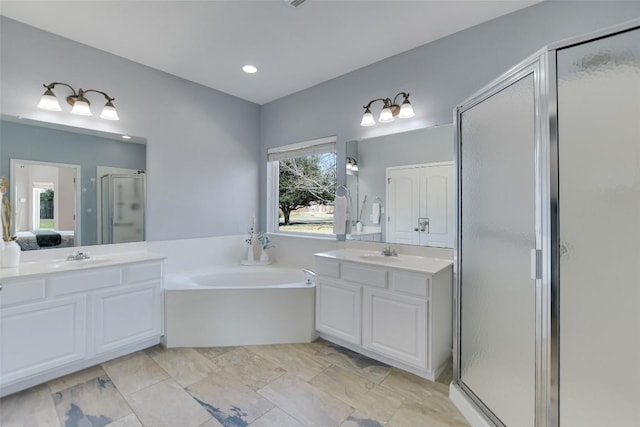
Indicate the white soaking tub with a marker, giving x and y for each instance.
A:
(239, 305)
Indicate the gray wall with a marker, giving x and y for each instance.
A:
(438, 75)
(25, 142)
(202, 150)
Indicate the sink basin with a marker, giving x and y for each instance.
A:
(378, 258)
(79, 263)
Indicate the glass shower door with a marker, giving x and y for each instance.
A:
(497, 231)
(599, 225)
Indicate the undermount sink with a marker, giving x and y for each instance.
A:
(79, 263)
(378, 258)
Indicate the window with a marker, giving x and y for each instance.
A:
(301, 187)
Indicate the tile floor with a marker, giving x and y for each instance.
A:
(292, 385)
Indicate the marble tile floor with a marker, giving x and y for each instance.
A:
(291, 385)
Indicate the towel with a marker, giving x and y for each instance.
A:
(375, 213)
(341, 215)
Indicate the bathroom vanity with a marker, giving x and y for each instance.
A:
(395, 309)
(60, 316)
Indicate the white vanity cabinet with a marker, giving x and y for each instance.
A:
(56, 323)
(390, 312)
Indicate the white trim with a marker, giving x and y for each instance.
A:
(300, 145)
(421, 165)
(466, 408)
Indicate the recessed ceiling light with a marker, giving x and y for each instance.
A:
(249, 69)
(126, 137)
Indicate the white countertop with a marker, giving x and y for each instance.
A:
(404, 262)
(60, 265)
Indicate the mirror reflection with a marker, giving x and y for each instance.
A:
(72, 187)
(402, 187)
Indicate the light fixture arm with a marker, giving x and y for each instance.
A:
(384, 100)
(107, 97)
(404, 94)
(54, 84)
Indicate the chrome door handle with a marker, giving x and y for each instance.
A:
(423, 224)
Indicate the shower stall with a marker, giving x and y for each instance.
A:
(123, 208)
(548, 248)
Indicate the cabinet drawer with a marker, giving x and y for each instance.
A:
(328, 268)
(63, 284)
(141, 273)
(22, 291)
(364, 275)
(411, 284)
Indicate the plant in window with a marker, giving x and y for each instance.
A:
(264, 240)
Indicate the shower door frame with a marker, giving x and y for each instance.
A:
(535, 65)
(547, 405)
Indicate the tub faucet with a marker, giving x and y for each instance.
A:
(310, 276)
(77, 256)
(389, 251)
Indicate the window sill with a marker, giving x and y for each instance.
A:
(330, 237)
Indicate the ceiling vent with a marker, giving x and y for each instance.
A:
(294, 3)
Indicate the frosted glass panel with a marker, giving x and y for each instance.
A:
(599, 162)
(123, 208)
(498, 232)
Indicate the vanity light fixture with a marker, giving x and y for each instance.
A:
(389, 111)
(77, 100)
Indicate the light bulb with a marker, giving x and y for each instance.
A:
(48, 101)
(367, 119)
(109, 112)
(81, 107)
(386, 115)
(406, 110)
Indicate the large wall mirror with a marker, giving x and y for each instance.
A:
(401, 187)
(72, 187)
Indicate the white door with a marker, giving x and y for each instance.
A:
(420, 204)
(435, 222)
(403, 205)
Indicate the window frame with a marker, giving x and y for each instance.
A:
(273, 183)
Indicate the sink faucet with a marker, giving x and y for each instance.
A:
(389, 251)
(77, 256)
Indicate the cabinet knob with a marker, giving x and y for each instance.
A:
(0, 286)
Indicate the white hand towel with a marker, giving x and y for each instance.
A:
(375, 213)
(340, 216)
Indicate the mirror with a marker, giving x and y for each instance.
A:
(402, 187)
(71, 186)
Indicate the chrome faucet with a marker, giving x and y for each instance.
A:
(77, 256)
(389, 251)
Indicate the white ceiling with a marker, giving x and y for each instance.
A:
(208, 41)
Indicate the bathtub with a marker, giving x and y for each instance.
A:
(239, 305)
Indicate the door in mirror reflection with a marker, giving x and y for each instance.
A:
(122, 208)
(44, 196)
(420, 204)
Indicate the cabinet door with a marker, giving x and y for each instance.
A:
(396, 326)
(126, 315)
(41, 336)
(338, 310)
